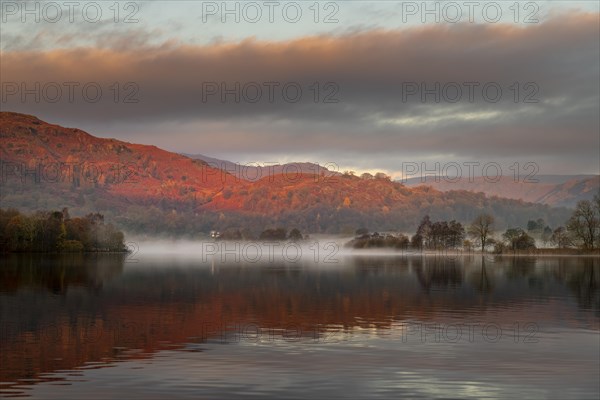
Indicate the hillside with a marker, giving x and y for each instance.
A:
(70, 162)
(145, 189)
(554, 190)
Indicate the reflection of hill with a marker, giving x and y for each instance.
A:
(101, 310)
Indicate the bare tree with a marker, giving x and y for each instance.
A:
(584, 224)
(561, 238)
(481, 228)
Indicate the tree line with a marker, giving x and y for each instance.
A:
(582, 230)
(430, 235)
(56, 231)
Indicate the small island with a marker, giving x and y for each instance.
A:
(57, 232)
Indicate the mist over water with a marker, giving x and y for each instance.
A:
(320, 252)
(326, 249)
(319, 249)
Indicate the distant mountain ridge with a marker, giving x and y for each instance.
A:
(146, 189)
(554, 190)
(252, 173)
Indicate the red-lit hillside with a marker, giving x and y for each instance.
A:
(36, 151)
(144, 188)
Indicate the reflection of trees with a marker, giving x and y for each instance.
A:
(381, 264)
(583, 281)
(438, 272)
(147, 307)
(57, 272)
(521, 267)
(482, 279)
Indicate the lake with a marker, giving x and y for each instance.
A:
(172, 325)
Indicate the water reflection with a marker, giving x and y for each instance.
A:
(481, 279)
(436, 273)
(64, 313)
(583, 281)
(57, 272)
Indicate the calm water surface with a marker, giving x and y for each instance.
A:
(90, 327)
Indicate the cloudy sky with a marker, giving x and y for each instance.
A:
(367, 85)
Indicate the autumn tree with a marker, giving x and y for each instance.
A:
(20, 233)
(56, 231)
(79, 229)
(50, 230)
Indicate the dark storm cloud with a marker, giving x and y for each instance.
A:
(559, 59)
